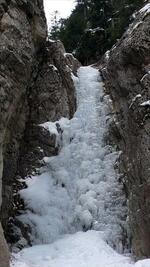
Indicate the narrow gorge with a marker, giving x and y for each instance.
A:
(74, 147)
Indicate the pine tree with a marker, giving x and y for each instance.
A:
(94, 26)
(55, 25)
(74, 28)
(122, 15)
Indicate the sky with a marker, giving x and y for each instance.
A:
(63, 6)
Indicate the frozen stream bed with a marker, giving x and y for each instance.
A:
(76, 208)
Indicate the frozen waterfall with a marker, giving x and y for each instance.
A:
(76, 207)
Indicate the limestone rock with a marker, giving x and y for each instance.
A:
(35, 86)
(72, 62)
(127, 78)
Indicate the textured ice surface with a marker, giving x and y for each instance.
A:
(79, 189)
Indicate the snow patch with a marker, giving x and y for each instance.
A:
(136, 25)
(50, 126)
(146, 103)
(134, 99)
(68, 54)
(107, 54)
(145, 9)
(53, 67)
(51, 40)
(94, 30)
(145, 75)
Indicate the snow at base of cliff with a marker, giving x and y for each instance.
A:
(82, 249)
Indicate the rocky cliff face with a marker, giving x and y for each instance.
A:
(35, 86)
(127, 79)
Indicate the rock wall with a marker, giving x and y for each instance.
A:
(35, 86)
(127, 79)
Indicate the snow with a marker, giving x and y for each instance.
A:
(51, 40)
(50, 206)
(94, 30)
(136, 25)
(137, 96)
(75, 207)
(53, 66)
(53, 128)
(145, 75)
(50, 126)
(82, 249)
(145, 9)
(146, 103)
(107, 54)
(68, 54)
(134, 99)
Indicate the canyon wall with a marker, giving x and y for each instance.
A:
(126, 73)
(36, 86)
